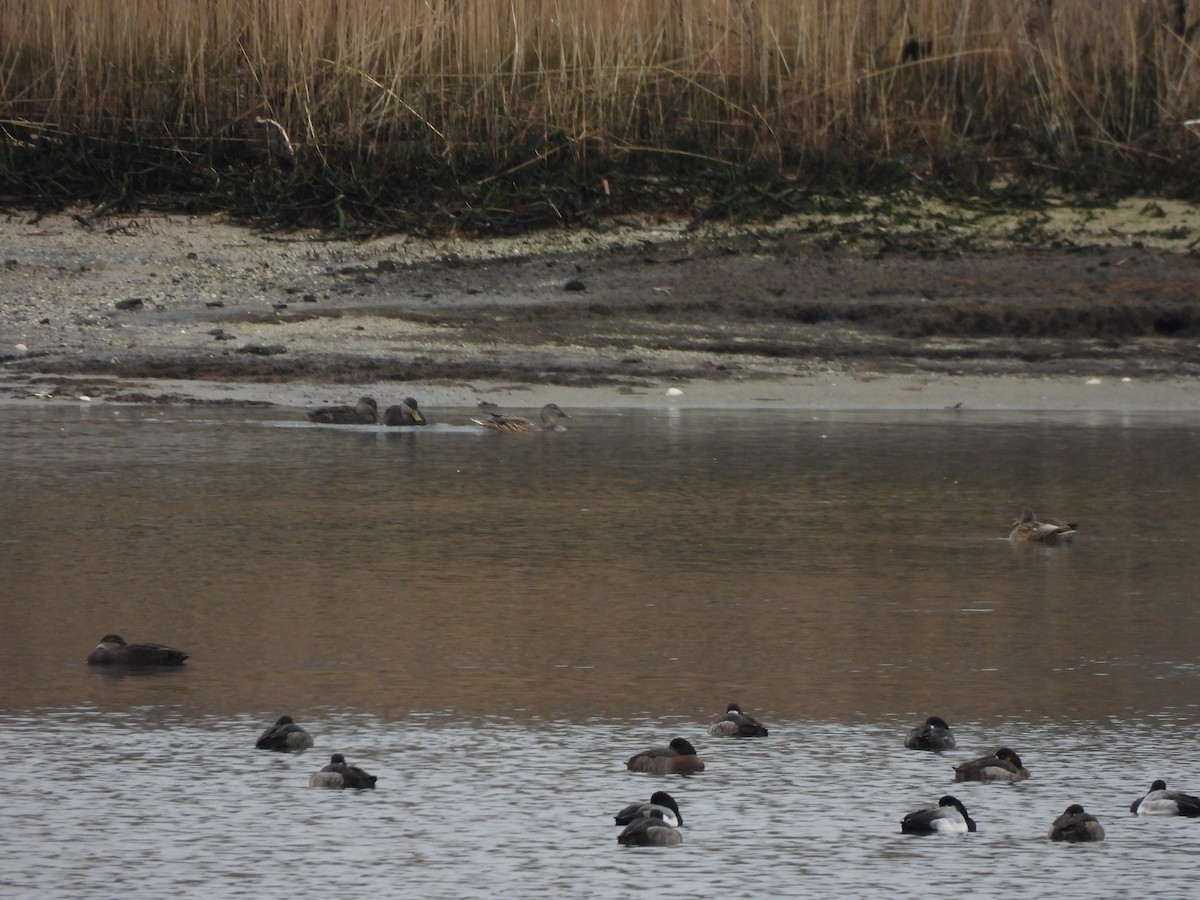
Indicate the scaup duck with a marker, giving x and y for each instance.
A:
(948, 817)
(285, 734)
(678, 758)
(1161, 802)
(649, 831)
(1004, 765)
(736, 723)
(660, 803)
(1076, 826)
(340, 775)
(935, 734)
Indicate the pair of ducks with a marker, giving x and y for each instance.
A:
(935, 734)
(285, 735)
(407, 413)
(366, 412)
(950, 817)
(656, 822)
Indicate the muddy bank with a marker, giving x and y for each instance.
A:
(121, 309)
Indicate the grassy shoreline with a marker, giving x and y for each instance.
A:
(368, 115)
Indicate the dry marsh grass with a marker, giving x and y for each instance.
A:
(356, 91)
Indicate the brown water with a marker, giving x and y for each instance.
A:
(492, 624)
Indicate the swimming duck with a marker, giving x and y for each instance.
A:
(649, 831)
(1076, 826)
(660, 804)
(1161, 802)
(365, 412)
(404, 413)
(678, 758)
(1029, 529)
(340, 775)
(935, 734)
(736, 723)
(550, 416)
(948, 817)
(285, 734)
(1004, 765)
(113, 651)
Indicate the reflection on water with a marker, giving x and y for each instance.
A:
(492, 624)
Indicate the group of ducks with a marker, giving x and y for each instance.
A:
(408, 413)
(1075, 825)
(656, 822)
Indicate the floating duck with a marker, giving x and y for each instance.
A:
(1029, 529)
(736, 723)
(1161, 802)
(340, 775)
(678, 758)
(285, 734)
(948, 817)
(1004, 765)
(935, 734)
(403, 413)
(113, 651)
(1076, 826)
(518, 424)
(365, 412)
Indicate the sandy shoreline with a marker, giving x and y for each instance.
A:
(197, 310)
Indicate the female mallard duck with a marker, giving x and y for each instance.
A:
(649, 831)
(1029, 529)
(935, 734)
(1075, 826)
(948, 817)
(550, 416)
(1161, 802)
(736, 723)
(113, 651)
(1004, 765)
(340, 775)
(660, 804)
(285, 734)
(404, 413)
(678, 758)
(365, 412)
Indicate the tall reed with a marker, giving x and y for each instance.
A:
(950, 89)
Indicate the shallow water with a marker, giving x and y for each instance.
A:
(493, 624)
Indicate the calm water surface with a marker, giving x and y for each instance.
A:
(493, 624)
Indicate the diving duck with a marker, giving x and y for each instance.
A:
(113, 651)
(948, 817)
(1076, 826)
(518, 424)
(678, 758)
(1004, 765)
(365, 412)
(404, 413)
(660, 804)
(649, 831)
(935, 734)
(340, 775)
(1029, 529)
(285, 734)
(736, 723)
(1161, 802)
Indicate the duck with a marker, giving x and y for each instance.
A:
(340, 775)
(948, 817)
(650, 831)
(677, 758)
(518, 424)
(285, 734)
(113, 651)
(404, 413)
(1076, 826)
(1029, 529)
(365, 412)
(935, 734)
(660, 804)
(736, 723)
(1004, 765)
(1161, 802)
